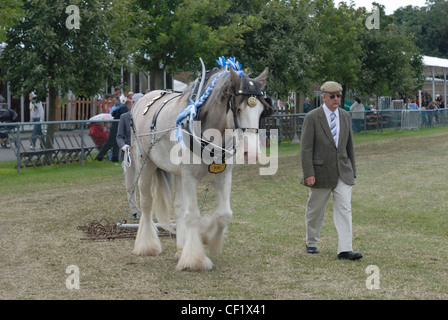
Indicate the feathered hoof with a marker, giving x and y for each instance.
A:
(147, 251)
(195, 265)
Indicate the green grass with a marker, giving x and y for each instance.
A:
(399, 224)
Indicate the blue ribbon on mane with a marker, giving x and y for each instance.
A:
(191, 110)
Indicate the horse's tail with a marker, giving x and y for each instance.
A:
(162, 198)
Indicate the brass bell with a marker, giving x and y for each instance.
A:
(252, 101)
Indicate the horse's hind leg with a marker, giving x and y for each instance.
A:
(193, 257)
(147, 242)
(213, 227)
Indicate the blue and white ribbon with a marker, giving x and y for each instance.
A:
(191, 110)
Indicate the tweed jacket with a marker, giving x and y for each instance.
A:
(318, 152)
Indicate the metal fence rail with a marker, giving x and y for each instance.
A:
(72, 141)
(289, 126)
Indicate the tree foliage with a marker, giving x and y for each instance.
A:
(391, 62)
(174, 34)
(42, 53)
(281, 38)
(301, 41)
(10, 13)
(340, 49)
(428, 25)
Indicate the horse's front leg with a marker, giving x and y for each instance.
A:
(147, 242)
(193, 257)
(213, 227)
(179, 214)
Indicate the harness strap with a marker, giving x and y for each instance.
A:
(249, 92)
(154, 100)
(156, 114)
(204, 143)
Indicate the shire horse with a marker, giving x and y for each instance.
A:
(235, 102)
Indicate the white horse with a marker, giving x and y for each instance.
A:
(236, 102)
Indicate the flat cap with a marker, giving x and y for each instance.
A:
(331, 86)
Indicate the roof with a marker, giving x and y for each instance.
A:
(438, 64)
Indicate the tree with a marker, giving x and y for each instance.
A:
(340, 48)
(173, 34)
(43, 54)
(281, 37)
(391, 62)
(10, 13)
(121, 23)
(428, 25)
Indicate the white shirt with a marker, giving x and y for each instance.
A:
(36, 111)
(328, 112)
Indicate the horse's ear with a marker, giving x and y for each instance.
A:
(234, 78)
(262, 78)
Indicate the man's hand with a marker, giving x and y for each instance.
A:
(310, 181)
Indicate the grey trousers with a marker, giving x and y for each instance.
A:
(131, 189)
(342, 214)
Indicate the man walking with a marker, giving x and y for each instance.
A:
(124, 143)
(328, 164)
(36, 115)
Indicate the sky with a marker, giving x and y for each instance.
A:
(391, 5)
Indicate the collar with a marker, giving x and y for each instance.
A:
(328, 111)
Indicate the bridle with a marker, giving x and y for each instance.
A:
(254, 95)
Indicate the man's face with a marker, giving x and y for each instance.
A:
(332, 100)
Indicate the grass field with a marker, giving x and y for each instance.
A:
(400, 207)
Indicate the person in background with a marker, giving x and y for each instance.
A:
(124, 143)
(290, 106)
(307, 105)
(99, 133)
(358, 111)
(111, 142)
(36, 115)
(413, 105)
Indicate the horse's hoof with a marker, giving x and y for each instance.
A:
(147, 252)
(195, 266)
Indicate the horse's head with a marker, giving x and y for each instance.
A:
(237, 102)
(248, 104)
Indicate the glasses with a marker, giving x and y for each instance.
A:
(335, 96)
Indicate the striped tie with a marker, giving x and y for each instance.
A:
(333, 125)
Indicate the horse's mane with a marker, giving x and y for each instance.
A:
(219, 95)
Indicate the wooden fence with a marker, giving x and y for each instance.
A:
(79, 109)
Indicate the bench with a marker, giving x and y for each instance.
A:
(61, 148)
(29, 155)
